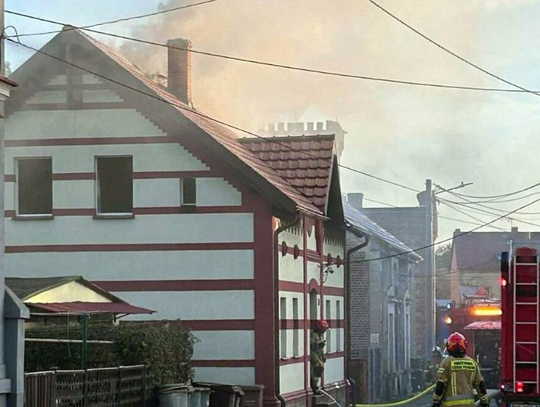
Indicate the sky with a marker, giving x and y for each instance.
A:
(402, 133)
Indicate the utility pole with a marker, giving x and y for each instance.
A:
(430, 269)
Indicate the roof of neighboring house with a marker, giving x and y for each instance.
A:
(308, 170)
(355, 219)
(219, 132)
(27, 288)
(80, 307)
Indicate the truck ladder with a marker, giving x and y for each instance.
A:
(519, 327)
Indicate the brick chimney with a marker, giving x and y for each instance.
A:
(179, 69)
(356, 200)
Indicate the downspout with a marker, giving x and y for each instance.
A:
(348, 308)
(276, 302)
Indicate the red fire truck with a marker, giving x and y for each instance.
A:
(520, 302)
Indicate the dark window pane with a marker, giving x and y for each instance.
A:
(115, 180)
(189, 191)
(34, 183)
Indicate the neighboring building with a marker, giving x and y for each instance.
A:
(476, 260)
(380, 304)
(309, 129)
(71, 294)
(153, 201)
(416, 227)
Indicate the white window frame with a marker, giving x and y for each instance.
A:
(296, 331)
(283, 332)
(329, 336)
(338, 328)
(16, 189)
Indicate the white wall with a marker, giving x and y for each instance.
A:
(185, 228)
(291, 377)
(334, 370)
(226, 375)
(155, 265)
(224, 345)
(192, 305)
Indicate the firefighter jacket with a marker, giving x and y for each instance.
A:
(459, 376)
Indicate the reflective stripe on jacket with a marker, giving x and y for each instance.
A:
(460, 376)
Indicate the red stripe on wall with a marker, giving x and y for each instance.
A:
(174, 210)
(128, 247)
(292, 286)
(220, 325)
(176, 285)
(90, 141)
(223, 363)
(81, 176)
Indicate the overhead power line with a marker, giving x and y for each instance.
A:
(485, 71)
(270, 64)
(496, 196)
(123, 19)
(419, 249)
(184, 108)
(438, 215)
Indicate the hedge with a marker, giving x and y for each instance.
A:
(166, 347)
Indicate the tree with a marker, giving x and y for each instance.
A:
(443, 257)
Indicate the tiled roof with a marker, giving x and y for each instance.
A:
(220, 133)
(308, 170)
(361, 222)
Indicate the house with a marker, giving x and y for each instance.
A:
(380, 304)
(123, 180)
(47, 297)
(12, 311)
(476, 260)
(416, 227)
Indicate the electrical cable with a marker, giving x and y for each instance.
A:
(123, 19)
(468, 215)
(271, 64)
(485, 71)
(491, 196)
(231, 126)
(500, 200)
(447, 239)
(438, 215)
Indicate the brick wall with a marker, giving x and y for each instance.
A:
(359, 301)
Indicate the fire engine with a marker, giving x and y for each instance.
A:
(520, 330)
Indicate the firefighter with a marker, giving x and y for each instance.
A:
(317, 358)
(433, 365)
(457, 376)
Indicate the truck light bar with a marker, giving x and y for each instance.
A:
(486, 311)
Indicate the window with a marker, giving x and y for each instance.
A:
(115, 185)
(391, 341)
(189, 192)
(283, 331)
(34, 186)
(338, 328)
(296, 331)
(329, 332)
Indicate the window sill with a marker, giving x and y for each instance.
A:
(33, 217)
(114, 216)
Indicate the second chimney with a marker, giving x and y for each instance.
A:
(179, 69)
(356, 200)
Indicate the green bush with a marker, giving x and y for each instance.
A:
(166, 347)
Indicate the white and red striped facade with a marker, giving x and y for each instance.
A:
(213, 267)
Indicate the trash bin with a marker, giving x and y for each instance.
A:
(223, 395)
(175, 395)
(253, 396)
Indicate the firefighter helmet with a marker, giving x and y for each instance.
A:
(456, 342)
(322, 325)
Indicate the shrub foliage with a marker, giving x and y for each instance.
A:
(166, 347)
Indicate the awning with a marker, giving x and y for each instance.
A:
(485, 325)
(79, 307)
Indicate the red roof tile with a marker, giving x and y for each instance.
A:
(79, 307)
(308, 170)
(220, 133)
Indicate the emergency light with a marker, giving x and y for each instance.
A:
(519, 387)
(486, 311)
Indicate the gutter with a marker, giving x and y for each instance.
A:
(276, 302)
(348, 294)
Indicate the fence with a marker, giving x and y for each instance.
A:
(107, 387)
